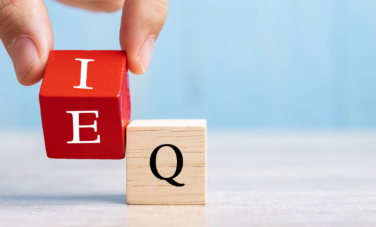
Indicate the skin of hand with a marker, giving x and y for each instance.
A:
(26, 32)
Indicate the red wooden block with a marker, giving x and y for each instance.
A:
(85, 104)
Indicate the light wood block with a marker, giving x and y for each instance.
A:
(143, 137)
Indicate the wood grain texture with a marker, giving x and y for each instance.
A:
(143, 136)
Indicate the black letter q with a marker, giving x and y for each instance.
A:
(153, 165)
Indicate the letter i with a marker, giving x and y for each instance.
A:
(84, 63)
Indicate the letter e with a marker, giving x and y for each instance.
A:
(77, 126)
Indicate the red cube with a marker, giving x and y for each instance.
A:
(85, 104)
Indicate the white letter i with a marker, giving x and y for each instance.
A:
(84, 63)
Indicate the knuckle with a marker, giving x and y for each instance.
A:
(9, 14)
(160, 7)
(156, 11)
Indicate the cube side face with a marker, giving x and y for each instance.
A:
(100, 133)
(144, 187)
(125, 100)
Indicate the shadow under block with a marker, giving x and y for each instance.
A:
(166, 146)
(85, 104)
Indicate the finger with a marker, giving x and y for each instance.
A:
(141, 22)
(95, 5)
(26, 32)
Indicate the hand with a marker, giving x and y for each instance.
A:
(26, 32)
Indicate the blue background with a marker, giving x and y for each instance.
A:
(266, 64)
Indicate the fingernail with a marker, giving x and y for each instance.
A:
(24, 55)
(146, 52)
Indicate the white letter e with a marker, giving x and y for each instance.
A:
(77, 126)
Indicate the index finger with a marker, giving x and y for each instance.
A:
(141, 23)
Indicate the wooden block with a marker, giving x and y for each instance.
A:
(166, 162)
(85, 104)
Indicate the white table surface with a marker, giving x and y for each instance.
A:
(254, 179)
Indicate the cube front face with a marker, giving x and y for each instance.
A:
(85, 106)
(166, 162)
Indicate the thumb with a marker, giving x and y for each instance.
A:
(142, 20)
(26, 32)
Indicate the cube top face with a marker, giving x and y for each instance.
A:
(85, 104)
(104, 74)
(166, 162)
(185, 123)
